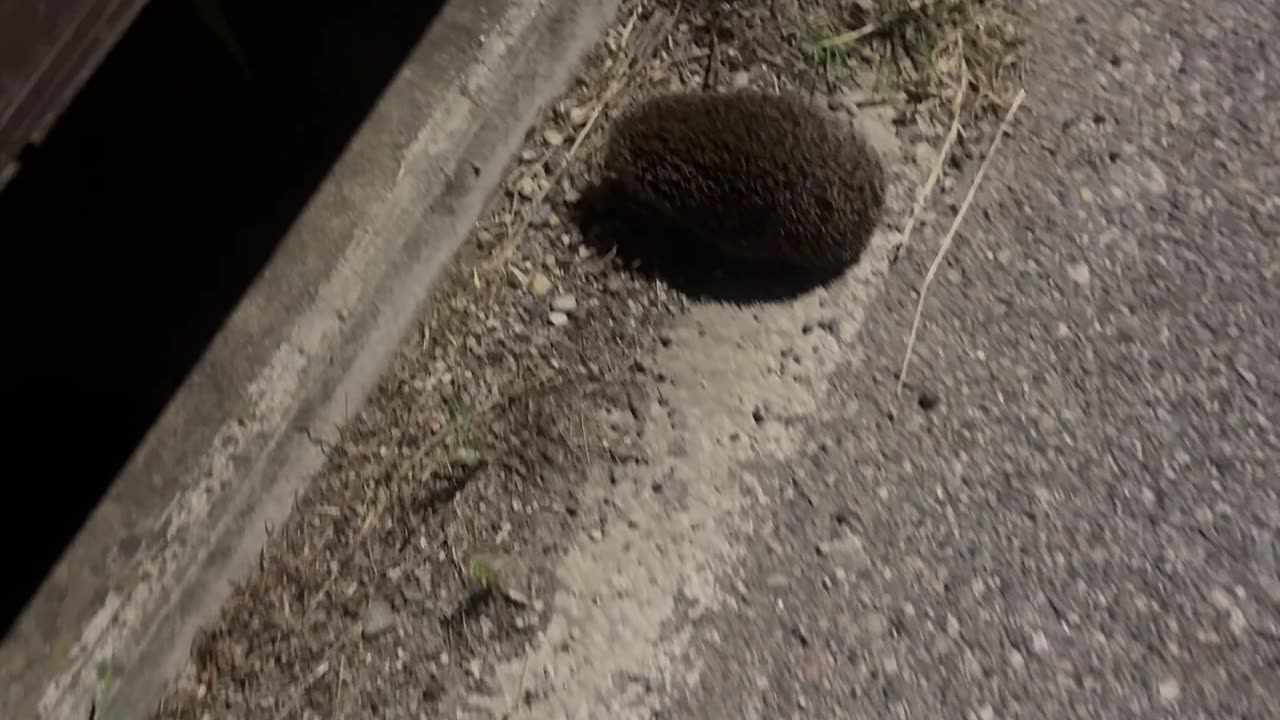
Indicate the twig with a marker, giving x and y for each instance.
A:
(712, 73)
(896, 99)
(337, 694)
(295, 702)
(951, 232)
(870, 28)
(658, 25)
(927, 189)
(514, 234)
(689, 56)
(848, 38)
(524, 670)
(614, 87)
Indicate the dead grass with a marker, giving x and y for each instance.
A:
(918, 47)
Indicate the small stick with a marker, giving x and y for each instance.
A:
(854, 36)
(927, 189)
(713, 58)
(626, 29)
(337, 695)
(524, 671)
(619, 81)
(300, 692)
(951, 232)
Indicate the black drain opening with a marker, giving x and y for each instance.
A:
(132, 232)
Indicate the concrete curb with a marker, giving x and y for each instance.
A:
(187, 515)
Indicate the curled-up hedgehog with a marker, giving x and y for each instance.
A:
(765, 178)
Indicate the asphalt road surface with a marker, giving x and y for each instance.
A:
(1076, 512)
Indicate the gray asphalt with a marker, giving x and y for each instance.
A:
(1088, 522)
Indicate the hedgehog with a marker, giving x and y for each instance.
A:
(764, 178)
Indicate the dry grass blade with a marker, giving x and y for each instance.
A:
(927, 188)
(541, 196)
(914, 44)
(951, 233)
(337, 694)
(853, 36)
(514, 700)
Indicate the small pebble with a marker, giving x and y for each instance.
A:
(378, 619)
(800, 635)
(1169, 690)
(1039, 643)
(840, 102)
(564, 303)
(1079, 273)
(539, 284)
(467, 457)
(557, 319)
(929, 400)
(579, 116)
(528, 188)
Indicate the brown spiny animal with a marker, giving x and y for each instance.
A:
(765, 178)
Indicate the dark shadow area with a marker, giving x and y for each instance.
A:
(132, 232)
(661, 249)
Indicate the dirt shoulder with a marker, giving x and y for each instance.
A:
(542, 395)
